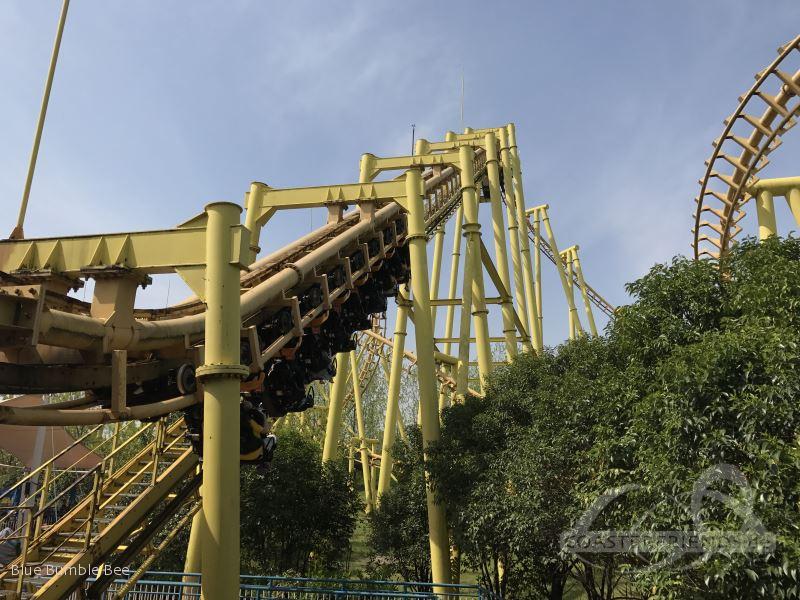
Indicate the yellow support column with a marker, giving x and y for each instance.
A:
(793, 198)
(537, 265)
(393, 398)
(576, 262)
(336, 407)
(43, 499)
(524, 240)
(464, 331)
(194, 550)
(452, 290)
(442, 404)
(373, 470)
(422, 147)
(401, 428)
(561, 268)
(765, 209)
(453, 287)
(362, 436)
(473, 271)
(438, 247)
(220, 376)
(500, 256)
(426, 368)
(515, 233)
(574, 323)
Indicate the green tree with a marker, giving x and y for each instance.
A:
(715, 357)
(697, 376)
(511, 466)
(398, 535)
(297, 515)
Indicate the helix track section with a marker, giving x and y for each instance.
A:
(765, 113)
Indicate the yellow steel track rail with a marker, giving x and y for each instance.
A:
(764, 114)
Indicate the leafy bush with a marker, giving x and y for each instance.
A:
(701, 371)
(398, 534)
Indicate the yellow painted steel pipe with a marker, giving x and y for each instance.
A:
(220, 376)
(464, 339)
(572, 314)
(498, 230)
(584, 291)
(422, 147)
(43, 497)
(537, 262)
(454, 265)
(779, 186)
(451, 291)
(524, 240)
(561, 268)
(426, 374)
(373, 471)
(436, 272)
(193, 562)
(393, 399)
(515, 232)
(362, 435)
(336, 407)
(473, 274)
(401, 428)
(18, 232)
(793, 198)
(10, 415)
(765, 210)
(442, 402)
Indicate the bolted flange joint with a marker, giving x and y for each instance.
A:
(470, 228)
(216, 371)
(296, 269)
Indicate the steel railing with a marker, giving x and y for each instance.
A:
(68, 490)
(186, 586)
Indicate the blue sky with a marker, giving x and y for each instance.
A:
(161, 107)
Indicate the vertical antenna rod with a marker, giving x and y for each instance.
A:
(413, 136)
(18, 232)
(462, 99)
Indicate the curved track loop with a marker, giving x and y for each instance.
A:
(767, 111)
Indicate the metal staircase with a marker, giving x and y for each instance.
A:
(109, 511)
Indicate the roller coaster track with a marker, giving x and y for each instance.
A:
(765, 113)
(67, 323)
(93, 530)
(604, 305)
(132, 363)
